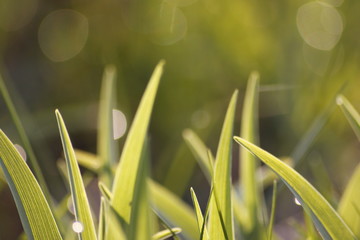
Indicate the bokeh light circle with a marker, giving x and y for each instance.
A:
(320, 25)
(63, 34)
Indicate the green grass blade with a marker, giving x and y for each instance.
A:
(273, 209)
(88, 160)
(79, 197)
(114, 229)
(199, 150)
(311, 233)
(102, 220)
(297, 155)
(248, 163)
(166, 234)
(173, 210)
(141, 215)
(199, 216)
(328, 222)
(35, 214)
(350, 113)
(128, 168)
(106, 143)
(34, 163)
(222, 179)
(349, 203)
(105, 192)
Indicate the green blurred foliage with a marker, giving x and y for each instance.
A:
(210, 48)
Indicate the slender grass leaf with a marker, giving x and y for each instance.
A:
(273, 209)
(349, 203)
(173, 210)
(106, 193)
(78, 193)
(321, 177)
(128, 168)
(310, 135)
(199, 150)
(106, 144)
(114, 228)
(166, 234)
(311, 233)
(88, 160)
(141, 216)
(350, 113)
(222, 178)
(266, 176)
(35, 214)
(102, 220)
(199, 216)
(328, 222)
(248, 163)
(34, 163)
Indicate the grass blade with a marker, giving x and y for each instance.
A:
(349, 203)
(199, 150)
(34, 163)
(141, 215)
(273, 209)
(199, 216)
(222, 179)
(173, 210)
(79, 197)
(128, 169)
(350, 113)
(248, 163)
(328, 222)
(102, 220)
(166, 234)
(106, 143)
(88, 160)
(35, 214)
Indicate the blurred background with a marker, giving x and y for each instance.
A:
(53, 53)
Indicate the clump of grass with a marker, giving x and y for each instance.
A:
(133, 206)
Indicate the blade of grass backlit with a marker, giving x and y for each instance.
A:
(106, 143)
(273, 209)
(35, 214)
(222, 179)
(311, 233)
(141, 216)
(128, 168)
(173, 210)
(34, 163)
(199, 216)
(349, 203)
(102, 220)
(350, 113)
(165, 234)
(79, 197)
(328, 222)
(199, 150)
(88, 160)
(248, 163)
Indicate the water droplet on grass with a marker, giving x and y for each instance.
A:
(297, 202)
(77, 227)
(21, 151)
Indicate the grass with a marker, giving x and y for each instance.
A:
(133, 206)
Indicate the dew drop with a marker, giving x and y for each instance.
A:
(77, 227)
(21, 151)
(339, 100)
(297, 202)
